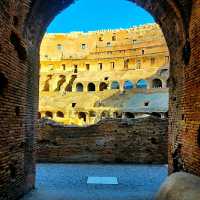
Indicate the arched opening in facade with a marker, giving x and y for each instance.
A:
(115, 85)
(128, 85)
(103, 86)
(92, 113)
(142, 84)
(60, 82)
(82, 115)
(156, 83)
(46, 84)
(60, 114)
(49, 114)
(91, 87)
(105, 114)
(79, 87)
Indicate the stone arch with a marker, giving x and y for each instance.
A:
(103, 86)
(91, 87)
(115, 85)
(168, 14)
(79, 87)
(142, 84)
(49, 114)
(128, 85)
(60, 114)
(156, 83)
(82, 115)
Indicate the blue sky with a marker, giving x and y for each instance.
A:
(91, 15)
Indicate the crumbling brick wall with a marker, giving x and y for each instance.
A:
(113, 141)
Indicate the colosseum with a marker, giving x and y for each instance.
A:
(85, 77)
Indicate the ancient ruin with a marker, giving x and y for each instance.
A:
(85, 77)
(23, 24)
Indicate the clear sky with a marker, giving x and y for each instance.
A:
(91, 15)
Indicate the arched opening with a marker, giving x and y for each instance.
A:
(79, 87)
(168, 14)
(91, 87)
(60, 114)
(82, 116)
(60, 82)
(49, 114)
(105, 114)
(142, 84)
(47, 85)
(103, 86)
(128, 85)
(157, 83)
(92, 113)
(115, 85)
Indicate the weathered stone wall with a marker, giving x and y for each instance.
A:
(134, 141)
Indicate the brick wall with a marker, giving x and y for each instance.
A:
(26, 21)
(135, 141)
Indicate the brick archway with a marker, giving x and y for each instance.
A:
(21, 35)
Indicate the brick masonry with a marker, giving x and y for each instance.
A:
(26, 21)
(110, 141)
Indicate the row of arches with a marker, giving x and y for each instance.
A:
(128, 85)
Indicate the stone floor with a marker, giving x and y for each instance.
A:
(69, 182)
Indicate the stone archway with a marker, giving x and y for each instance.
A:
(180, 22)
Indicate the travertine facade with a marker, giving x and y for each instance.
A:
(85, 77)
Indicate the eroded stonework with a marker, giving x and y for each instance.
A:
(85, 77)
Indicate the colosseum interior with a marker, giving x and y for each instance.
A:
(23, 24)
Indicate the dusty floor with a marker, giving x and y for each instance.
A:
(69, 182)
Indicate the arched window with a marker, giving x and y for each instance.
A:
(142, 84)
(105, 114)
(157, 83)
(49, 114)
(91, 87)
(115, 85)
(60, 114)
(82, 115)
(128, 85)
(60, 82)
(103, 86)
(46, 85)
(79, 87)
